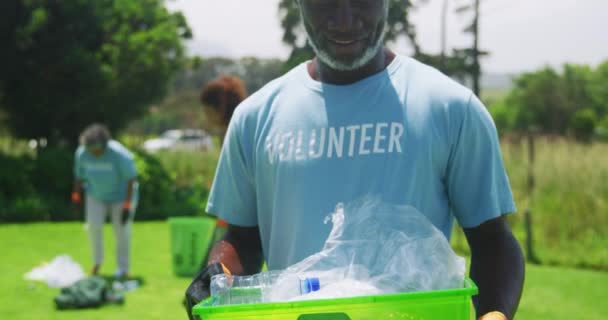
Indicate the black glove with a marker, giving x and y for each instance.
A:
(199, 288)
(126, 212)
(125, 216)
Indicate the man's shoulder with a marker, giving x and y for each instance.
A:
(79, 153)
(428, 82)
(118, 149)
(263, 98)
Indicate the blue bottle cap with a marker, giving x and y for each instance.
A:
(311, 285)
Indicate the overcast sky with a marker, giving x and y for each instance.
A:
(521, 35)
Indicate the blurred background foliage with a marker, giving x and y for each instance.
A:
(123, 63)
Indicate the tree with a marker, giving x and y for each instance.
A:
(553, 103)
(294, 34)
(182, 107)
(575, 85)
(253, 71)
(537, 99)
(460, 64)
(582, 125)
(598, 89)
(472, 55)
(66, 64)
(201, 70)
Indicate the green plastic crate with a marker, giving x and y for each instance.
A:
(453, 304)
(191, 238)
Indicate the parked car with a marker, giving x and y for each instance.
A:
(184, 139)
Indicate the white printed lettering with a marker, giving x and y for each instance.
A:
(395, 139)
(336, 142)
(379, 137)
(351, 146)
(303, 144)
(270, 148)
(313, 140)
(286, 138)
(365, 138)
(299, 155)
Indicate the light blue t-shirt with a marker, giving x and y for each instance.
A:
(409, 135)
(107, 176)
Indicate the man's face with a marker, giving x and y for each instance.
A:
(96, 149)
(345, 34)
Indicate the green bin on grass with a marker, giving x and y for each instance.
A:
(453, 304)
(191, 239)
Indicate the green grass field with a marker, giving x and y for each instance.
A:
(550, 293)
(570, 204)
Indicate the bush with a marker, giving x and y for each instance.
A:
(52, 177)
(38, 189)
(155, 187)
(582, 125)
(189, 200)
(28, 208)
(601, 130)
(14, 177)
(504, 116)
(161, 195)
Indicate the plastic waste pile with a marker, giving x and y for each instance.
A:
(62, 272)
(373, 248)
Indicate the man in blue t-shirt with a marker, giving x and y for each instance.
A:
(359, 120)
(105, 169)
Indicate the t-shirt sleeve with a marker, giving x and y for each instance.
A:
(78, 165)
(477, 183)
(233, 195)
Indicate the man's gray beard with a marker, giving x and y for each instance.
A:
(358, 63)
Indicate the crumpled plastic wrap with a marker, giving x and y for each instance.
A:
(379, 248)
(62, 272)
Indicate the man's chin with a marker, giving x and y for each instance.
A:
(346, 62)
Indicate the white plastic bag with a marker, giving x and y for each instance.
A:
(62, 272)
(379, 248)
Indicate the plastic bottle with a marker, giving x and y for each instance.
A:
(270, 286)
(125, 286)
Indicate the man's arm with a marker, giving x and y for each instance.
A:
(77, 186)
(127, 206)
(78, 176)
(497, 267)
(240, 250)
(130, 186)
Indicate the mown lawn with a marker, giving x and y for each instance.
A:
(550, 293)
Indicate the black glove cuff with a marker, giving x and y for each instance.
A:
(199, 288)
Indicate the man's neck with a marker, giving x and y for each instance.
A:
(323, 73)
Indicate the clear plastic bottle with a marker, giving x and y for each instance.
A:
(270, 286)
(125, 286)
